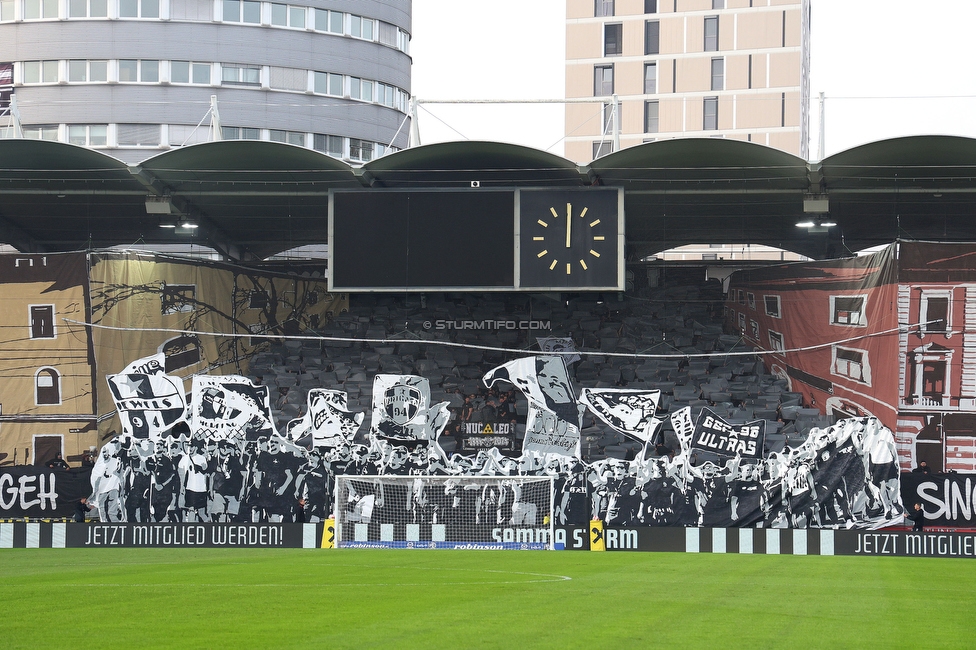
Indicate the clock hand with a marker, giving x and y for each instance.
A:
(569, 223)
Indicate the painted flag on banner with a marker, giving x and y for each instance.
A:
(563, 344)
(629, 411)
(547, 433)
(149, 401)
(402, 409)
(544, 381)
(714, 434)
(231, 407)
(327, 420)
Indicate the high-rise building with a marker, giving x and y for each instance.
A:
(677, 68)
(135, 77)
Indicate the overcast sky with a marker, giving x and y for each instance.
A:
(888, 68)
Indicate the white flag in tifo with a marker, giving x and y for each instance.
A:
(149, 401)
(402, 409)
(328, 419)
(231, 407)
(629, 411)
(543, 381)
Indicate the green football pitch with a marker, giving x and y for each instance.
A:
(227, 598)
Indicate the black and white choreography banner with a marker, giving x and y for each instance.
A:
(224, 461)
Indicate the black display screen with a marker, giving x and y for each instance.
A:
(422, 240)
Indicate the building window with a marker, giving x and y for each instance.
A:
(848, 310)
(178, 298)
(740, 296)
(613, 39)
(327, 83)
(718, 74)
(930, 368)
(711, 34)
(650, 78)
(329, 21)
(651, 117)
(362, 27)
(772, 305)
(87, 8)
(257, 299)
(360, 89)
(240, 133)
(81, 71)
(602, 148)
(88, 135)
(42, 322)
(710, 114)
(6, 10)
(47, 387)
(42, 132)
(185, 72)
(934, 312)
(718, 4)
(751, 300)
(329, 144)
(650, 6)
(652, 37)
(852, 364)
(138, 135)
(138, 71)
(240, 75)
(287, 16)
(40, 9)
(296, 138)
(754, 330)
(242, 11)
(602, 80)
(40, 72)
(776, 341)
(742, 322)
(138, 8)
(360, 149)
(603, 8)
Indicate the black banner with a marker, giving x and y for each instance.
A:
(947, 499)
(200, 535)
(478, 442)
(28, 491)
(714, 434)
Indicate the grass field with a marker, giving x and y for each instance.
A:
(230, 598)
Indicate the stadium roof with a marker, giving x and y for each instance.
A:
(253, 199)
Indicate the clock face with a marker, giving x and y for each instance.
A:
(568, 239)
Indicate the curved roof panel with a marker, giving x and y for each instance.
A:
(457, 164)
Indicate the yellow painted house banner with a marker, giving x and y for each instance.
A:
(54, 396)
(138, 295)
(46, 368)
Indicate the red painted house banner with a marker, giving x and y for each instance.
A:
(890, 334)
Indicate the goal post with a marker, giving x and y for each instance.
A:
(453, 512)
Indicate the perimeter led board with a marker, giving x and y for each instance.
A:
(476, 240)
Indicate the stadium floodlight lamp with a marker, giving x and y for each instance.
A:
(189, 224)
(805, 224)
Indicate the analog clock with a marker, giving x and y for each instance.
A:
(569, 239)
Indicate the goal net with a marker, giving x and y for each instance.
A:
(459, 512)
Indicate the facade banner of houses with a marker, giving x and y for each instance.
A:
(890, 335)
(149, 292)
(55, 396)
(47, 392)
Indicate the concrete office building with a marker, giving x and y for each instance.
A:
(135, 77)
(705, 68)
